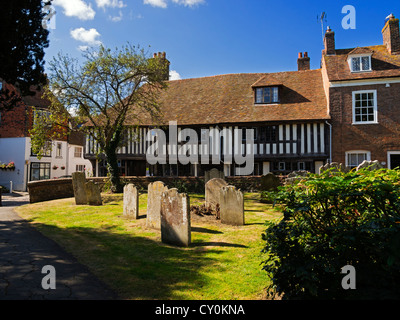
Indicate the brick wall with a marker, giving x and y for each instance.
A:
(376, 138)
(13, 123)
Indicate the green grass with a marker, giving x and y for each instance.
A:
(222, 263)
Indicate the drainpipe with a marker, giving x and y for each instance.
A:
(330, 141)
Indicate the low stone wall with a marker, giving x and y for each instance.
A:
(46, 190)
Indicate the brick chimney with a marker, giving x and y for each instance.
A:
(329, 42)
(391, 35)
(303, 62)
(163, 59)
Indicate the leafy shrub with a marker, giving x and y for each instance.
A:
(332, 220)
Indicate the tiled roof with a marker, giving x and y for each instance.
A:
(382, 62)
(229, 98)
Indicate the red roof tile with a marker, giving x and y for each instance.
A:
(382, 62)
(229, 98)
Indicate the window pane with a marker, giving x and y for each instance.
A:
(365, 63)
(275, 94)
(355, 64)
(267, 95)
(259, 92)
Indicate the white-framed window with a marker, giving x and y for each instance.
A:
(282, 166)
(78, 152)
(59, 150)
(360, 63)
(356, 157)
(365, 107)
(80, 168)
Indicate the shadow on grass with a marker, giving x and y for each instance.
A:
(136, 267)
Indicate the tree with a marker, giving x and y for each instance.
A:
(109, 86)
(23, 40)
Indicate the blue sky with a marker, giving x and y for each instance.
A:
(211, 37)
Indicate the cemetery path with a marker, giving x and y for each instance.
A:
(24, 252)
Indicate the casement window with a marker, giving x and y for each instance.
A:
(365, 109)
(360, 63)
(80, 168)
(59, 150)
(46, 150)
(267, 95)
(78, 152)
(40, 171)
(39, 114)
(356, 157)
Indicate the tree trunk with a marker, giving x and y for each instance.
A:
(113, 170)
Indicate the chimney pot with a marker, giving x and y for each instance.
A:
(305, 54)
(300, 55)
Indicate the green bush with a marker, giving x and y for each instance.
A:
(332, 220)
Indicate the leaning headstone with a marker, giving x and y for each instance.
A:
(154, 192)
(334, 167)
(294, 176)
(131, 202)
(232, 206)
(370, 165)
(212, 192)
(78, 184)
(175, 218)
(93, 194)
(213, 173)
(270, 182)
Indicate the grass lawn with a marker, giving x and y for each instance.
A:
(223, 262)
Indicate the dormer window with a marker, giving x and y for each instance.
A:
(267, 95)
(360, 63)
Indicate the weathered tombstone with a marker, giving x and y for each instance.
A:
(78, 184)
(270, 182)
(370, 165)
(175, 218)
(213, 173)
(295, 176)
(212, 192)
(93, 194)
(154, 192)
(334, 166)
(232, 206)
(131, 202)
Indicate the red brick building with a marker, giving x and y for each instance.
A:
(362, 86)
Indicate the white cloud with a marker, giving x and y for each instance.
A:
(189, 3)
(76, 8)
(87, 36)
(83, 48)
(116, 18)
(156, 3)
(173, 75)
(110, 3)
(163, 3)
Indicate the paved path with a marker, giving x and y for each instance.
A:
(24, 252)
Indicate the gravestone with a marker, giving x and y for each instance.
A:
(334, 167)
(295, 176)
(154, 192)
(78, 184)
(212, 192)
(370, 165)
(270, 182)
(175, 218)
(93, 194)
(232, 206)
(213, 173)
(131, 202)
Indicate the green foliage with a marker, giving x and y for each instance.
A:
(23, 40)
(99, 97)
(332, 220)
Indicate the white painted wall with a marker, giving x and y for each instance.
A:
(74, 161)
(13, 149)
